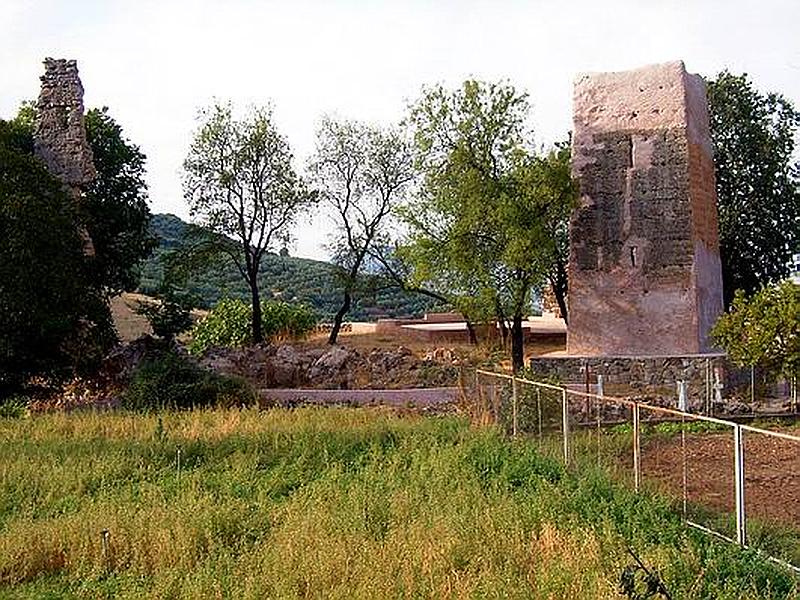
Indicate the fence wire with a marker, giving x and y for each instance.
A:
(736, 482)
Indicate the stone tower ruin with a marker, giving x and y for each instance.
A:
(60, 133)
(644, 270)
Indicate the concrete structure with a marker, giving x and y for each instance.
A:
(644, 271)
(60, 132)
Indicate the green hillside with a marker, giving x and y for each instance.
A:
(287, 278)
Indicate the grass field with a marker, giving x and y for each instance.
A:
(335, 503)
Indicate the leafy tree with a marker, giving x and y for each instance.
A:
(757, 182)
(361, 172)
(114, 208)
(764, 329)
(45, 292)
(170, 315)
(117, 215)
(228, 324)
(239, 181)
(483, 223)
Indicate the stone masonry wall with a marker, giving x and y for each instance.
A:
(651, 378)
(60, 132)
(644, 268)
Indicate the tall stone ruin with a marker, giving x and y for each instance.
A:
(60, 132)
(644, 271)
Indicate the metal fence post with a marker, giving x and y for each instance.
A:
(738, 464)
(514, 400)
(637, 455)
(565, 424)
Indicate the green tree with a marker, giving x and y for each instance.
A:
(483, 223)
(361, 172)
(117, 215)
(764, 329)
(48, 308)
(240, 183)
(757, 182)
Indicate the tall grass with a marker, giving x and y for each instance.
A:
(332, 503)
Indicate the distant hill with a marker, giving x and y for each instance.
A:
(287, 278)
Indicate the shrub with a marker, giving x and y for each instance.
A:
(228, 324)
(170, 381)
(763, 329)
(169, 316)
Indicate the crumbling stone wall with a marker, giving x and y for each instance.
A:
(644, 272)
(60, 132)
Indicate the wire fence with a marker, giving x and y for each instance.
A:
(737, 482)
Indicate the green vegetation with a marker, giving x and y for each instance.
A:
(228, 324)
(488, 224)
(54, 315)
(286, 278)
(764, 330)
(46, 288)
(170, 381)
(361, 172)
(239, 182)
(330, 503)
(758, 182)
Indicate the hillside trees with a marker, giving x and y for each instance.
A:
(240, 183)
(758, 182)
(485, 221)
(361, 172)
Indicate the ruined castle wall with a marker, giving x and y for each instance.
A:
(60, 137)
(644, 258)
(60, 132)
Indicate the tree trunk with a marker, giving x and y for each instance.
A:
(501, 321)
(258, 333)
(560, 284)
(561, 299)
(337, 320)
(517, 343)
(473, 337)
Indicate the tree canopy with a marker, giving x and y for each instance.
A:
(758, 182)
(484, 223)
(44, 285)
(764, 329)
(361, 172)
(240, 183)
(116, 208)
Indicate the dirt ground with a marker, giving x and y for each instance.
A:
(772, 473)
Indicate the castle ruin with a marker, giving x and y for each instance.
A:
(644, 270)
(60, 132)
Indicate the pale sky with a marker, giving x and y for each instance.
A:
(155, 62)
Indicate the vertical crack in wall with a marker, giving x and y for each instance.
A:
(644, 269)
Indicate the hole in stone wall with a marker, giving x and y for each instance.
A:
(633, 256)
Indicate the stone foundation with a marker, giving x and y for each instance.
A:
(650, 378)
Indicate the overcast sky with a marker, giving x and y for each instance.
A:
(154, 62)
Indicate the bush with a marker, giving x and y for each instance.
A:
(763, 329)
(170, 315)
(228, 324)
(170, 381)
